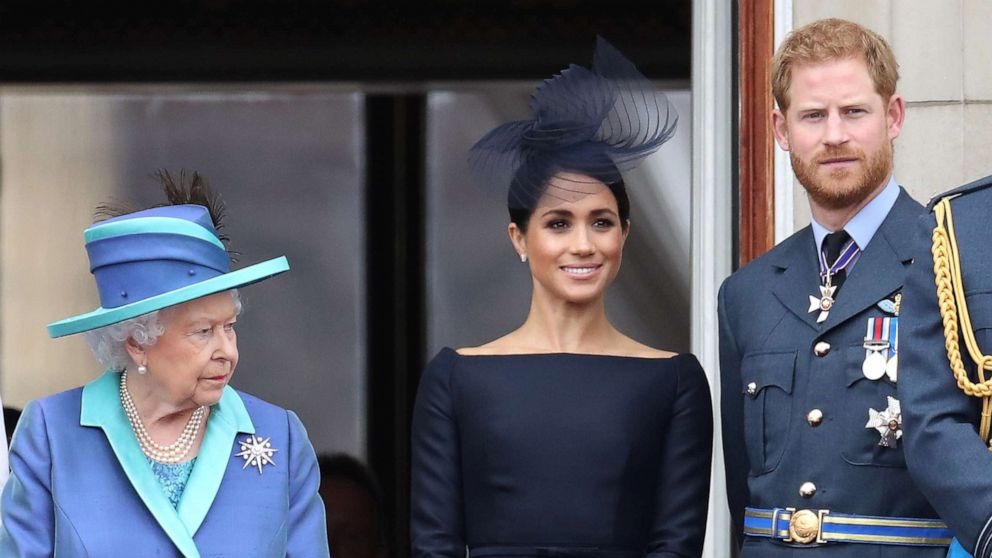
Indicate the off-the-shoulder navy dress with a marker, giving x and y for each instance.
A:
(560, 455)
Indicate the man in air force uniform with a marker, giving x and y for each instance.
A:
(809, 333)
(947, 380)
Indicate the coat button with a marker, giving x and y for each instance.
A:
(807, 490)
(821, 349)
(814, 417)
(752, 388)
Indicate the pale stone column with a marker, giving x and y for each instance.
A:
(51, 181)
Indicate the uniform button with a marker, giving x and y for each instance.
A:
(821, 349)
(807, 490)
(814, 417)
(752, 388)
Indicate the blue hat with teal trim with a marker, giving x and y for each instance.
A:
(159, 257)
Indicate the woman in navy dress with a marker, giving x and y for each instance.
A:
(565, 437)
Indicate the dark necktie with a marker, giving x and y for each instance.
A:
(832, 246)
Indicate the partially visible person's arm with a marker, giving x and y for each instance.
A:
(26, 505)
(436, 525)
(4, 464)
(732, 421)
(946, 457)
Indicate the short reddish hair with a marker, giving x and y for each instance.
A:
(833, 39)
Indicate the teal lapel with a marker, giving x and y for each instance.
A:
(227, 418)
(101, 407)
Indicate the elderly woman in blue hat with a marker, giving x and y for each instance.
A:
(159, 456)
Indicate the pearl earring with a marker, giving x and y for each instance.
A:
(142, 369)
(523, 258)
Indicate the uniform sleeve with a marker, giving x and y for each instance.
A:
(306, 525)
(948, 460)
(27, 508)
(684, 481)
(436, 511)
(732, 419)
(4, 464)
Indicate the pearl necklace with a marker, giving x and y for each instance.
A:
(175, 452)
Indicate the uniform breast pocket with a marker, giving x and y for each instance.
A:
(767, 384)
(861, 443)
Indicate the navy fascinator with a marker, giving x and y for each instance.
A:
(594, 123)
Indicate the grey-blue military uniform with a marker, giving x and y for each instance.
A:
(950, 462)
(796, 403)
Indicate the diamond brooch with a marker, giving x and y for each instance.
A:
(256, 452)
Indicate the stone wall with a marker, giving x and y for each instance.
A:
(942, 49)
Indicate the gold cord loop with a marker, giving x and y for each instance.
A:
(955, 316)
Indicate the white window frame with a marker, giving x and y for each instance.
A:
(712, 220)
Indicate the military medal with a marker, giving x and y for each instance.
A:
(892, 366)
(825, 301)
(888, 423)
(874, 365)
(891, 350)
(880, 351)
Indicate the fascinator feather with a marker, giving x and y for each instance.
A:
(596, 123)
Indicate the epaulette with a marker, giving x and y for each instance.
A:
(960, 190)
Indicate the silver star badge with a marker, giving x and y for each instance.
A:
(888, 423)
(824, 303)
(256, 452)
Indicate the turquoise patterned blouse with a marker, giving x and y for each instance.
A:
(173, 478)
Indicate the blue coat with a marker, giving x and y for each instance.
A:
(950, 463)
(772, 379)
(80, 485)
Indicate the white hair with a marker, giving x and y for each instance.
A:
(108, 342)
